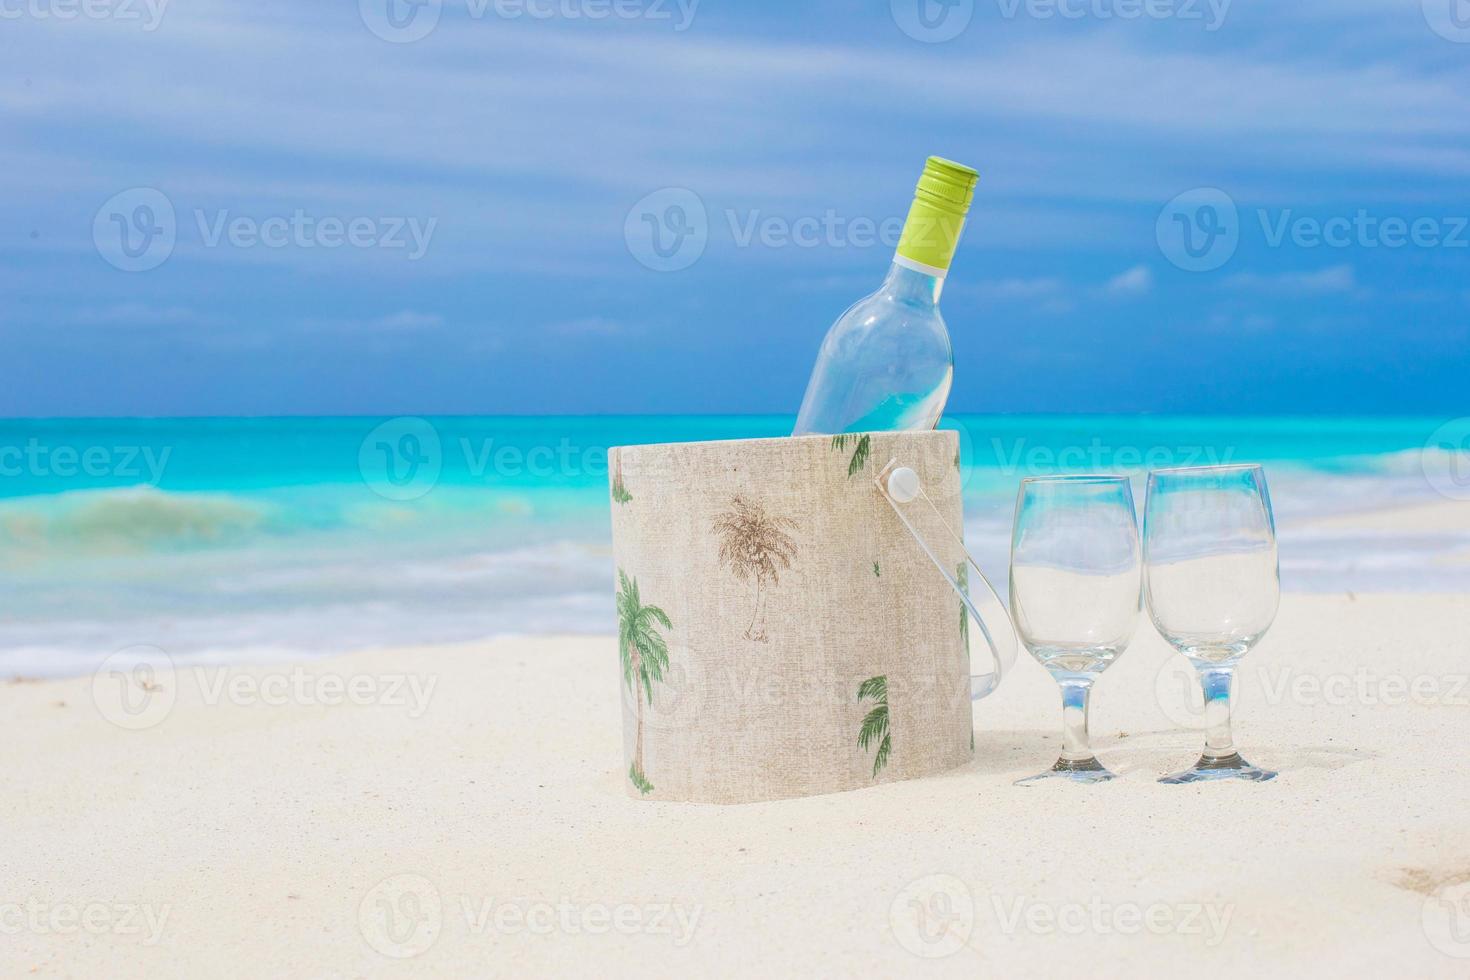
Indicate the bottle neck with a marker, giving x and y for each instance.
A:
(912, 286)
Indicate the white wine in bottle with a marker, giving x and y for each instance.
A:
(886, 364)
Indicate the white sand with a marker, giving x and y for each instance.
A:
(241, 838)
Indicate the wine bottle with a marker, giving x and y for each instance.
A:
(886, 364)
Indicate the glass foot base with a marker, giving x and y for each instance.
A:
(1081, 771)
(1224, 767)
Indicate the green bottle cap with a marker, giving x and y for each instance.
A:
(941, 202)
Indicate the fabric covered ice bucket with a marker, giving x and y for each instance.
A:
(781, 631)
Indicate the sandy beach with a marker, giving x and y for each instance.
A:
(461, 811)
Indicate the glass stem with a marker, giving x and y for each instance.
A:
(1076, 743)
(1216, 683)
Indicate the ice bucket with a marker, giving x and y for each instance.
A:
(792, 615)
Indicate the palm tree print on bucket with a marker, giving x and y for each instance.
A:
(645, 657)
(619, 491)
(862, 447)
(875, 723)
(754, 545)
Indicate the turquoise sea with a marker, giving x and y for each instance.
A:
(251, 539)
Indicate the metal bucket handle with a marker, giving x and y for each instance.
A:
(901, 487)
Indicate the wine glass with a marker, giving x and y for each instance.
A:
(1211, 578)
(1075, 594)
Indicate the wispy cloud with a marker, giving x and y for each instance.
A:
(402, 320)
(588, 326)
(1133, 282)
(1337, 279)
(1247, 323)
(1046, 294)
(139, 315)
(1054, 295)
(1020, 288)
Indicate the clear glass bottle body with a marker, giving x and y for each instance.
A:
(886, 364)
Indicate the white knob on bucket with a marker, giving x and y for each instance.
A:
(903, 485)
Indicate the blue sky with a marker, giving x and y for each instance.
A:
(324, 213)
